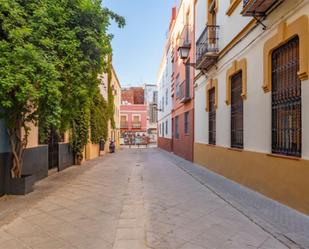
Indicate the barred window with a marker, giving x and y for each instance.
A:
(212, 117)
(177, 127)
(163, 130)
(286, 100)
(186, 122)
(237, 123)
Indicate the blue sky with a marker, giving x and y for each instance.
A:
(138, 47)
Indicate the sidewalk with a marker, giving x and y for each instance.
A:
(287, 225)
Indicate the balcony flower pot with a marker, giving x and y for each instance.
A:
(20, 186)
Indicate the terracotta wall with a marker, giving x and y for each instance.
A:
(165, 144)
(133, 95)
(183, 146)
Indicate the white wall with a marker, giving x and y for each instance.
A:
(165, 84)
(200, 17)
(257, 107)
(200, 117)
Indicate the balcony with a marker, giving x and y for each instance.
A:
(258, 8)
(184, 91)
(207, 49)
(124, 125)
(136, 125)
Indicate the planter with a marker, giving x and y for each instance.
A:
(20, 186)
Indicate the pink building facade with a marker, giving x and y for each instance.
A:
(133, 118)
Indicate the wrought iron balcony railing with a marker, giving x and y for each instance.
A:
(207, 47)
(124, 125)
(136, 125)
(258, 7)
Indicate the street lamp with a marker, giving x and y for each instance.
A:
(184, 51)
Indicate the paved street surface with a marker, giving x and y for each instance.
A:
(134, 199)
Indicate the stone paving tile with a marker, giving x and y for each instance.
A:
(284, 223)
(134, 199)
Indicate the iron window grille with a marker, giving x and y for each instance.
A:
(237, 124)
(212, 117)
(186, 122)
(163, 130)
(177, 127)
(286, 100)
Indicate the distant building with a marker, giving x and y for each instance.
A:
(133, 95)
(151, 100)
(165, 100)
(133, 122)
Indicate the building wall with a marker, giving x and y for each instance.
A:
(186, 8)
(117, 102)
(165, 144)
(165, 101)
(130, 111)
(133, 95)
(283, 179)
(92, 151)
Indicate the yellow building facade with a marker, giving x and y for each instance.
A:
(251, 95)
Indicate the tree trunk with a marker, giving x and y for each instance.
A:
(18, 145)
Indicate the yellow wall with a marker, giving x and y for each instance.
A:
(33, 139)
(282, 179)
(92, 151)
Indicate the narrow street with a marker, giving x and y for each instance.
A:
(133, 199)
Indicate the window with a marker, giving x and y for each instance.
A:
(177, 127)
(136, 118)
(187, 93)
(186, 123)
(286, 100)
(166, 97)
(177, 87)
(166, 127)
(212, 117)
(163, 130)
(237, 112)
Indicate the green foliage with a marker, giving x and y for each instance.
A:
(79, 132)
(51, 53)
(99, 119)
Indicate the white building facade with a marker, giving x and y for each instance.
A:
(165, 101)
(252, 95)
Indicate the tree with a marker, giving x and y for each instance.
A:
(27, 77)
(51, 54)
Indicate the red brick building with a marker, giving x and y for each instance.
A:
(183, 84)
(133, 95)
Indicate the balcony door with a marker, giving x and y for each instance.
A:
(136, 122)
